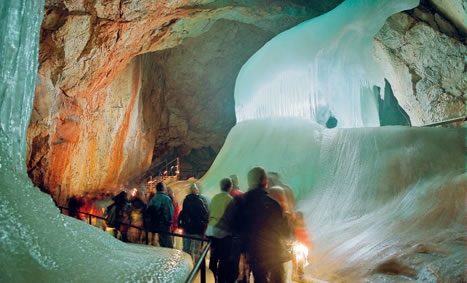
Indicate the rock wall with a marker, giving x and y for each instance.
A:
(123, 83)
(101, 110)
(422, 56)
(81, 144)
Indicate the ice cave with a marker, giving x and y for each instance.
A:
(358, 105)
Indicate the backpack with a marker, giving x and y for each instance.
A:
(151, 218)
(111, 215)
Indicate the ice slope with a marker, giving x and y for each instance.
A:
(368, 194)
(37, 243)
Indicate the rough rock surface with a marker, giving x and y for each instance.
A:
(123, 83)
(98, 115)
(424, 66)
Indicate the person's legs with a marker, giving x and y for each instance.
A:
(196, 248)
(214, 258)
(234, 272)
(187, 245)
(124, 236)
(165, 240)
(259, 272)
(224, 248)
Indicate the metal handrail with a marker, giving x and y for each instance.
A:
(445, 122)
(201, 263)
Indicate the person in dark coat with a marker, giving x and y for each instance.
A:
(266, 230)
(193, 219)
(263, 228)
(121, 202)
(74, 205)
(163, 204)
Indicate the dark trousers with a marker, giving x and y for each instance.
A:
(234, 271)
(270, 273)
(165, 240)
(219, 261)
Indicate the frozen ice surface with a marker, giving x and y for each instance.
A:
(38, 244)
(368, 194)
(323, 63)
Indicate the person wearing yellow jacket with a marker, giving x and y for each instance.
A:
(221, 240)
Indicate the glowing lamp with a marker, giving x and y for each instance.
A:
(301, 253)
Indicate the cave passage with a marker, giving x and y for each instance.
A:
(381, 203)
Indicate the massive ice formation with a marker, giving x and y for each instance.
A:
(386, 200)
(38, 244)
(323, 63)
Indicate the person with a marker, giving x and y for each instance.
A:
(232, 222)
(120, 209)
(164, 209)
(235, 190)
(193, 220)
(300, 231)
(176, 206)
(220, 240)
(274, 179)
(205, 199)
(74, 205)
(100, 204)
(137, 207)
(303, 237)
(266, 230)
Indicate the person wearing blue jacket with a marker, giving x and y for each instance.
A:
(164, 207)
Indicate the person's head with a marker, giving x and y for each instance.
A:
(257, 179)
(278, 193)
(274, 179)
(121, 197)
(160, 187)
(226, 185)
(234, 182)
(194, 189)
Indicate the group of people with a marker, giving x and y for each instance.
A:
(250, 231)
(253, 231)
(159, 214)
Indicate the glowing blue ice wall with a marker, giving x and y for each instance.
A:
(324, 65)
(20, 22)
(37, 243)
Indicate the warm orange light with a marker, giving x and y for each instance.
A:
(301, 253)
(179, 231)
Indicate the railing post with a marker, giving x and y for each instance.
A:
(147, 237)
(90, 219)
(203, 270)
